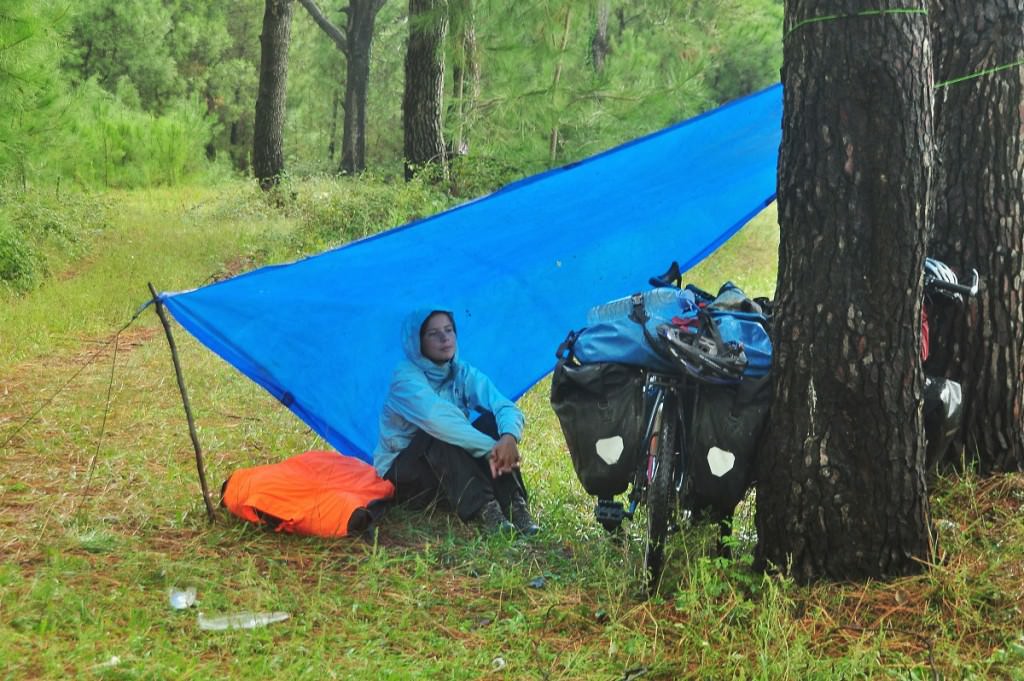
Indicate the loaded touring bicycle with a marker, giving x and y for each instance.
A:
(664, 395)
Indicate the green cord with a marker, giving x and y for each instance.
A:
(865, 13)
(881, 12)
(979, 74)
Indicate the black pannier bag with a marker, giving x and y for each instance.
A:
(728, 421)
(600, 408)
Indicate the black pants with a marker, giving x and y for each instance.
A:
(430, 469)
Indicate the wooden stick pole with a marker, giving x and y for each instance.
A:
(184, 398)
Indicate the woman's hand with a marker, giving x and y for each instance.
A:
(504, 456)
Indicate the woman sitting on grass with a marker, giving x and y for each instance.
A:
(429, 449)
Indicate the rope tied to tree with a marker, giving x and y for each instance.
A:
(902, 11)
(979, 74)
(855, 15)
(88, 361)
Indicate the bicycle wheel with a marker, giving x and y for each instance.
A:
(661, 501)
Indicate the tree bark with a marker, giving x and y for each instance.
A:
(599, 45)
(268, 137)
(979, 217)
(465, 73)
(424, 87)
(355, 42)
(332, 136)
(361, 19)
(841, 489)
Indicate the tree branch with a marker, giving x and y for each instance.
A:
(332, 31)
(9, 46)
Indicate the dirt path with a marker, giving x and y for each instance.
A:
(51, 419)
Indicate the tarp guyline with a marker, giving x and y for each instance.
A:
(519, 267)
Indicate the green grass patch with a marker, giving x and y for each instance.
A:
(100, 516)
(131, 239)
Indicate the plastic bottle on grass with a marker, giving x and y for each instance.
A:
(241, 620)
(181, 600)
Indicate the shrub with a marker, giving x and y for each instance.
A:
(333, 211)
(20, 263)
(109, 144)
(42, 232)
(473, 176)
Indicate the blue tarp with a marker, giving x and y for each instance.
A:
(519, 267)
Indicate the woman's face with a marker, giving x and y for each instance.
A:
(437, 343)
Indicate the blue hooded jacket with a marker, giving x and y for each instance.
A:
(438, 398)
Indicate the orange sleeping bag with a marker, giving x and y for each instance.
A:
(316, 493)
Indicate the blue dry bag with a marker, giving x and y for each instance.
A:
(612, 335)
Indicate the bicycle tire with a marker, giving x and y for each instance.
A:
(661, 500)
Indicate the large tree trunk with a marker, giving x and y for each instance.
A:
(979, 217)
(424, 86)
(361, 19)
(465, 73)
(355, 43)
(841, 490)
(268, 137)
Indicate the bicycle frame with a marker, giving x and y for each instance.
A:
(661, 466)
(655, 387)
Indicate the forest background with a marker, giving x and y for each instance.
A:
(100, 95)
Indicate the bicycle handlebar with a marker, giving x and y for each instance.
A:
(964, 289)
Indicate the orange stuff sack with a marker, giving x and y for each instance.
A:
(317, 493)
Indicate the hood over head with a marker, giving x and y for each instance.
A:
(411, 343)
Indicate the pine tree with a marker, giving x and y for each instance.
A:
(424, 87)
(354, 41)
(841, 491)
(268, 154)
(30, 83)
(979, 216)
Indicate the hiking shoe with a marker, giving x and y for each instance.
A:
(493, 520)
(521, 517)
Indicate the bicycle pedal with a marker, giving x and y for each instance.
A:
(609, 511)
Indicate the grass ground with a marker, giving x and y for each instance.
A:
(100, 515)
